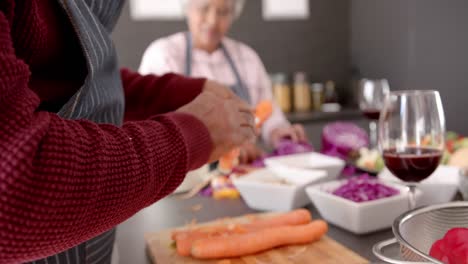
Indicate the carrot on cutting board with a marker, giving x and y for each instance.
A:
(294, 217)
(253, 242)
(185, 239)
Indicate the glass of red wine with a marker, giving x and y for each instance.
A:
(411, 136)
(372, 94)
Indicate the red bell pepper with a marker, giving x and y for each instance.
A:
(452, 248)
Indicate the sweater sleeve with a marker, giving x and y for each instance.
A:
(148, 95)
(63, 182)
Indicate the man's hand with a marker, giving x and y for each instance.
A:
(229, 120)
(218, 89)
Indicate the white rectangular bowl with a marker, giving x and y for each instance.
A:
(359, 218)
(306, 162)
(440, 187)
(260, 193)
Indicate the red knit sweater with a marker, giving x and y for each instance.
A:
(65, 181)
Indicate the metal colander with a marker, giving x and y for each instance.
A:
(418, 229)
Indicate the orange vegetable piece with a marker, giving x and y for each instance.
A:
(263, 111)
(229, 160)
(237, 245)
(185, 239)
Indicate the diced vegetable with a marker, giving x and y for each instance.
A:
(451, 135)
(363, 189)
(460, 143)
(370, 160)
(446, 157)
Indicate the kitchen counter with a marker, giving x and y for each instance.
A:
(314, 122)
(311, 117)
(174, 212)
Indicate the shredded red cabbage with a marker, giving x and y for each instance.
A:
(364, 188)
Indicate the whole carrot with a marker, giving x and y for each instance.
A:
(294, 217)
(185, 239)
(253, 242)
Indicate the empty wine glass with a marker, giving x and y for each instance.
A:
(372, 94)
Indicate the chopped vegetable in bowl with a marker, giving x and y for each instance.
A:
(370, 159)
(363, 189)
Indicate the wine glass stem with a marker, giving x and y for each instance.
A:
(412, 196)
(373, 134)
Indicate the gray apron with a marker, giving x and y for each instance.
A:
(100, 99)
(239, 88)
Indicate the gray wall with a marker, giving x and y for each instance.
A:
(416, 44)
(319, 45)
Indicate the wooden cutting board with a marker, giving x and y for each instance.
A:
(325, 251)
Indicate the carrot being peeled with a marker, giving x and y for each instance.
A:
(263, 111)
(253, 242)
(228, 161)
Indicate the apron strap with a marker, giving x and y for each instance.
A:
(188, 54)
(239, 89)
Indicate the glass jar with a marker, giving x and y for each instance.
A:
(282, 92)
(302, 100)
(330, 92)
(317, 96)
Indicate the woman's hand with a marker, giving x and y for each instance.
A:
(249, 152)
(294, 132)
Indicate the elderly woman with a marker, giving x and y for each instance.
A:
(205, 51)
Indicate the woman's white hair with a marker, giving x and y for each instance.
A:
(238, 6)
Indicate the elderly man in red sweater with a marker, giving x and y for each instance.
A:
(71, 169)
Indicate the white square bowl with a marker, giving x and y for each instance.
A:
(440, 187)
(306, 162)
(359, 218)
(260, 190)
